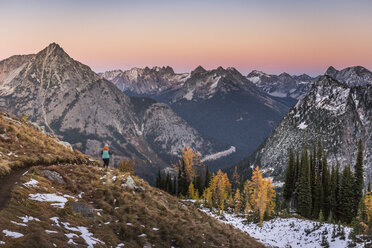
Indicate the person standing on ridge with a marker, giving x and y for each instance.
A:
(106, 156)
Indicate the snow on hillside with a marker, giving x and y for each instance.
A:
(218, 155)
(291, 232)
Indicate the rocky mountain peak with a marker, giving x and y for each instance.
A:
(198, 69)
(352, 76)
(331, 71)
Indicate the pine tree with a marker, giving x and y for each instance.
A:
(158, 179)
(182, 181)
(347, 195)
(236, 178)
(304, 187)
(326, 191)
(333, 193)
(369, 187)
(337, 207)
(296, 180)
(313, 177)
(358, 176)
(207, 177)
(175, 191)
(168, 183)
(289, 177)
(198, 184)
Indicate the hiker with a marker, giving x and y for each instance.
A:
(106, 156)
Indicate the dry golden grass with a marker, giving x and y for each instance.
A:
(22, 145)
(179, 224)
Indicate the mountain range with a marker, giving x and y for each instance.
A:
(337, 111)
(75, 104)
(221, 104)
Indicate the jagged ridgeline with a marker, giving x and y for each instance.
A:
(336, 113)
(221, 104)
(80, 107)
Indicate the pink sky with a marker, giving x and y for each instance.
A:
(272, 36)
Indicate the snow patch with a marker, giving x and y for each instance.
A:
(50, 231)
(254, 80)
(14, 235)
(302, 125)
(31, 183)
(189, 95)
(26, 219)
(58, 201)
(291, 232)
(218, 155)
(19, 224)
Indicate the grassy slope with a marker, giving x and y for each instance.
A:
(180, 224)
(21, 144)
(176, 223)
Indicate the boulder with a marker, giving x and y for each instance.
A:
(53, 176)
(81, 208)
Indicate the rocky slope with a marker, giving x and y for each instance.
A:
(333, 112)
(221, 104)
(68, 202)
(352, 76)
(283, 85)
(146, 81)
(79, 106)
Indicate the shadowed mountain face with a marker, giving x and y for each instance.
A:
(80, 107)
(333, 112)
(221, 103)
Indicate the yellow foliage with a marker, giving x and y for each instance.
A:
(260, 194)
(207, 195)
(238, 203)
(189, 159)
(191, 191)
(220, 187)
(368, 203)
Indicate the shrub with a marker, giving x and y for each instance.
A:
(126, 166)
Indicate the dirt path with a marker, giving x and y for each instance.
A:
(6, 185)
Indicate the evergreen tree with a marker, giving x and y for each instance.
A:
(198, 184)
(313, 177)
(304, 187)
(175, 192)
(289, 177)
(346, 213)
(158, 180)
(326, 191)
(336, 210)
(296, 180)
(369, 187)
(168, 183)
(358, 176)
(236, 179)
(332, 189)
(182, 181)
(207, 177)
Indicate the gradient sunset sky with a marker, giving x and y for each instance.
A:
(296, 36)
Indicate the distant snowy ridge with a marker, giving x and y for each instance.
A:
(219, 155)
